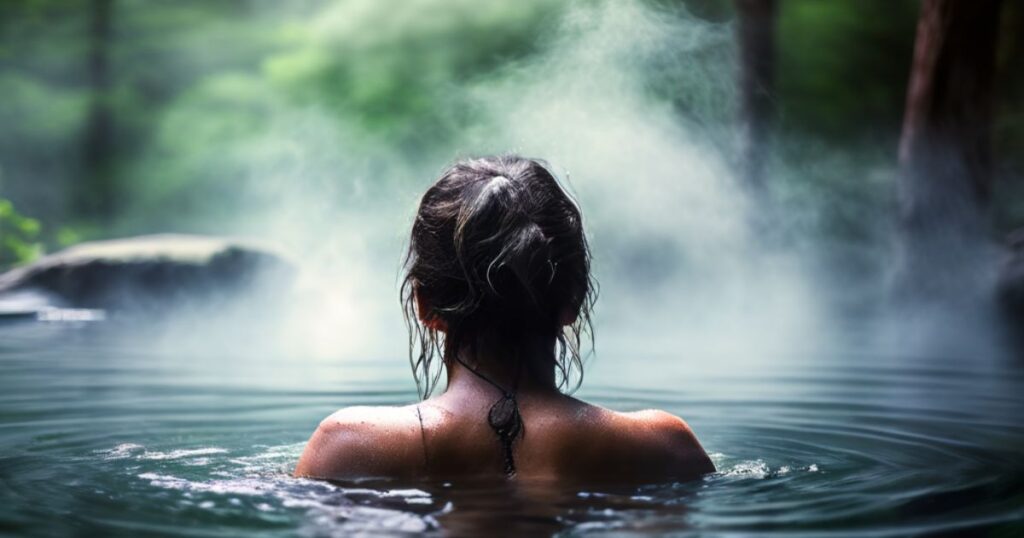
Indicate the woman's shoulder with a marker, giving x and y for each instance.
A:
(660, 425)
(646, 424)
(362, 442)
(647, 443)
(368, 416)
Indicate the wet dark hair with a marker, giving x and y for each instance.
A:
(498, 254)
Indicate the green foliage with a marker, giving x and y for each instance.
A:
(43, 112)
(391, 71)
(349, 78)
(843, 66)
(219, 107)
(67, 236)
(204, 147)
(18, 236)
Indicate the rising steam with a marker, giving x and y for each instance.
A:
(633, 107)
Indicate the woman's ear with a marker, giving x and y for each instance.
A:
(568, 316)
(427, 317)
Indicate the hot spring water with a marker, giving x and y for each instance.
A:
(102, 438)
(815, 429)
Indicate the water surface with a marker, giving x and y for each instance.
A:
(102, 437)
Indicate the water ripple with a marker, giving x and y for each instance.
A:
(99, 440)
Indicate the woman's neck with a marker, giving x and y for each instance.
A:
(527, 374)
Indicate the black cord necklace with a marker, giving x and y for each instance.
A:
(504, 417)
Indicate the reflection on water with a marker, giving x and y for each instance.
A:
(100, 439)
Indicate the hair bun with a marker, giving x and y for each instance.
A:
(498, 253)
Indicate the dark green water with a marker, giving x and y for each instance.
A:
(100, 439)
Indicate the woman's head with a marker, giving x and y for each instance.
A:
(498, 265)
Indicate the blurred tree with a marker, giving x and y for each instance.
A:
(194, 110)
(945, 148)
(43, 106)
(756, 35)
(1008, 121)
(841, 71)
(96, 191)
(394, 76)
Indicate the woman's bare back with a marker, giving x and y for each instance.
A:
(566, 440)
(498, 289)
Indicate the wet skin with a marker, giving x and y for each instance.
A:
(566, 440)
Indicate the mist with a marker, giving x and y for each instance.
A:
(631, 106)
(796, 212)
(632, 103)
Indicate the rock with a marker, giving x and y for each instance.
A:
(1010, 286)
(146, 273)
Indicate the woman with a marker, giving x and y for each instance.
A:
(498, 288)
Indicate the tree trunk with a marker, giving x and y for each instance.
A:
(96, 192)
(945, 152)
(756, 36)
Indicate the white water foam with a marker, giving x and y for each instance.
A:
(139, 452)
(757, 469)
(261, 478)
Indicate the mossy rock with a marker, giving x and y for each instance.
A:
(152, 272)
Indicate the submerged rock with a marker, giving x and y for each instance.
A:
(146, 273)
(1010, 286)
(1010, 290)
